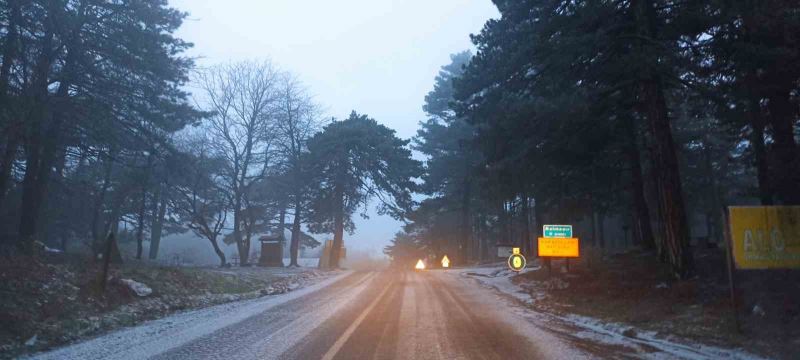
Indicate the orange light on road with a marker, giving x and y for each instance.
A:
(420, 265)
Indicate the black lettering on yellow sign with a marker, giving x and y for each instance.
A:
(516, 262)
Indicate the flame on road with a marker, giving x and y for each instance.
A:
(420, 265)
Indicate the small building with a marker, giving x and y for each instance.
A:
(504, 250)
(271, 250)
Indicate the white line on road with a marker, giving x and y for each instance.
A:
(346, 335)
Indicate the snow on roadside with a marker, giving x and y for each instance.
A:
(303, 262)
(498, 277)
(140, 289)
(614, 333)
(149, 340)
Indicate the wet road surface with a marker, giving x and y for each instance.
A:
(394, 315)
(360, 315)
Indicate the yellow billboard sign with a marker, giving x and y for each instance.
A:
(765, 237)
(559, 247)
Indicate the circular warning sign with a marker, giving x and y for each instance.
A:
(516, 262)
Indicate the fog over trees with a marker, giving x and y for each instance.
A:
(640, 118)
(108, 127)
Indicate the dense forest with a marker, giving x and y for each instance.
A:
(109, 128)
(634, 120)
(653, 114)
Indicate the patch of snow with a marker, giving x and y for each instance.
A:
(303, 262)
(557, 284)
(499, 278)
(140, 289)
(32, 340)
(613, 333)
(148, 339)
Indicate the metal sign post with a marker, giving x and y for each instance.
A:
(558, 242)
(516, 262)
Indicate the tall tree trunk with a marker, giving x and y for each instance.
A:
(714, 222)
(642, 229)
(237, 231)
(537, 217)
(112, 224)
(36, 119)
(140, 226)
(594, 218)
(601, 225)
(658, 234)
(44, 135)
(511, 208)
(526, 225)
(7, 161)
(476, 240)
(765, 191)
(783, 115)
(502, 217)
(282, 228)
(220, 254)
(338, 227)
(282, 222)
(97, 212)
(294, 247)
(37, 177)
(11, 126)
(50, 213)
(670, 193)
(158, 222)
(466, 231)
(676, 236)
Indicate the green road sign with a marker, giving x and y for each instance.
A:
(558, 231)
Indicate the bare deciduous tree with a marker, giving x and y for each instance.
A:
(298, 119)
(241, 98)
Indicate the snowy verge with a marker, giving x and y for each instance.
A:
(645, 344)
(156, 336)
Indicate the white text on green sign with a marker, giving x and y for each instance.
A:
(558, 231)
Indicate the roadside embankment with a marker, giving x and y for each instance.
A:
(47, 304)
(632, 299)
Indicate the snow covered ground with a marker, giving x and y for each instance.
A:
(156, 336)
(645, 344)
(304, 262)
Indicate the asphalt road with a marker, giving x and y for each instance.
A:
(381, 315)
(360, 315)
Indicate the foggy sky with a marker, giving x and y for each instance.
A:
(377, 57)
